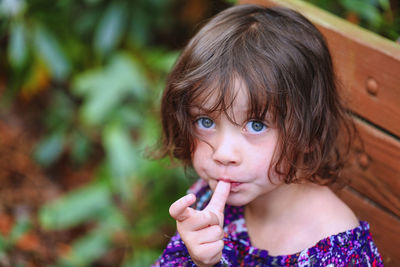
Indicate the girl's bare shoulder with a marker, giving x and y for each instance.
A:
(332, 215)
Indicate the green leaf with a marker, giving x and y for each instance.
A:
(86, 83)
(12, 8)
(121, 156)
(4, 244)
(364, 9)
(112, 219)
(143, 257)
(21, 226)
(139, 28)
(127, 74)
(385, 4)
(75, 207)
(49, 149)
(49, 49)
(59, 116)
(81, 147)
(150, 132)
(100, 94)
(120, 150)
(162, 60)
(88, 248)
(130, 116)
(105, 88)
(109, 31)
(17, 48)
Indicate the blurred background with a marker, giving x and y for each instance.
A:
(80, 85)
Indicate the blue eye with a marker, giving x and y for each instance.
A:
(256, 126)
(205, 123)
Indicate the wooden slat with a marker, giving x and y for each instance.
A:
(356, 64)
(376, 173)
(358, 55)
(385, 229)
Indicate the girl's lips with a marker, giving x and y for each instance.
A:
(225, 180)
(234, 185)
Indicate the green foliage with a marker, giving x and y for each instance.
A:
(375, 15)
(143, 258)
(76, 207)
(109, 32)
(103, 89)
(50, 148)
(87, 249)
(96, 62)
(21, 226)
(17, 50)
(48, 49)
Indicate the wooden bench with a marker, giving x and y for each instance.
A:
(369, 69)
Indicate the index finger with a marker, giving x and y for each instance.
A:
(218, 200)
(180, 210)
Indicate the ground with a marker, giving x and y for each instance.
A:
(24, 187)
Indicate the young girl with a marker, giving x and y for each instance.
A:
(252, 105)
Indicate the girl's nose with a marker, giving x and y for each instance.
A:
(226, 151)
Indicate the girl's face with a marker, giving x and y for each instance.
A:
(240, 153)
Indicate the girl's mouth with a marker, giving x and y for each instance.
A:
(234, 185)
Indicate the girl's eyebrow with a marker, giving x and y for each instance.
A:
(198, 108)
(195, 107)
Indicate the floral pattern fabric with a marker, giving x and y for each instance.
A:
(354, 247)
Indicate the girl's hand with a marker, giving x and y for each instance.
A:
(202, 231)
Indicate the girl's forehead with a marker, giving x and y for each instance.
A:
(232, 97)
(236, 99)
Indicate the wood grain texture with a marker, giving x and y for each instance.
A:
(359, 56)
(357, 64)
(376, 172)
(385, 229)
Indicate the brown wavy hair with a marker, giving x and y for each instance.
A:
(285, 65)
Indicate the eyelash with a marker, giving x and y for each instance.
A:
(263, 126)
(200, 122)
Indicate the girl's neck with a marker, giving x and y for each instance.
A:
(283, 215)
(283, 204)
(295, 217)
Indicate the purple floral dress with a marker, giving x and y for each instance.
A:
(351, 248)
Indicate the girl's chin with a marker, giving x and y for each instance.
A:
(236, 200)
